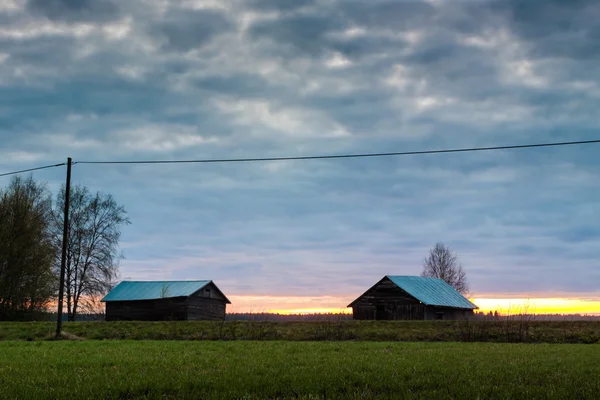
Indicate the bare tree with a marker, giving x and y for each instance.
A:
(26, 251)
(92, 306)
(92, 261)
(442, 263)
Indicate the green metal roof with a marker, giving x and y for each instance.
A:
(138, 290)
(432, 291)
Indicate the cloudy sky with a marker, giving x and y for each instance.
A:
(101, 80)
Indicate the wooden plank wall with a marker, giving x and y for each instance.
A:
(447, 313)
(210, 291)
(204, 308)
(385, 291)
(387, 301)
(388, 311)
(147, 310)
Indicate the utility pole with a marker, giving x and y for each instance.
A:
(63, 260)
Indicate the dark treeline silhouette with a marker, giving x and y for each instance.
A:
(286, 317)
(31, 229)
(257, 317)
(480, 316)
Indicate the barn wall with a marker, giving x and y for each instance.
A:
(389, 310)
(386, 301)
(445, 313)
(205, 308)
(210, 291)
(147, 310)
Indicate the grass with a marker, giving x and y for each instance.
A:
(405, 331)
(289, 370)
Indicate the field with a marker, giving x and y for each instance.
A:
(515, 331)
(281, 360)
(289, 370)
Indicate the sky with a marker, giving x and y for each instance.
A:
(104, 80)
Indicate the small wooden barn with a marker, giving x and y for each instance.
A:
(165, 300)
(411, 297)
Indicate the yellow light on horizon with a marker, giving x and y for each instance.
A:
(538, 305)
(567, 303)
(286, 305)
(312, 311)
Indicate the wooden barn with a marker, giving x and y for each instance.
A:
(411, 297)
(166, 300)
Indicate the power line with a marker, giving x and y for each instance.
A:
(360, 155)
(31, 169)
(323, 157)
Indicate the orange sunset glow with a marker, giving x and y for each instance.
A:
(568, 304)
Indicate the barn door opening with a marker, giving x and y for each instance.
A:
(380, 313)
(439, 315)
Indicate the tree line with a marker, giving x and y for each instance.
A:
(31, 229)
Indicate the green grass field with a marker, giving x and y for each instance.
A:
(308, 370)
(584, 332)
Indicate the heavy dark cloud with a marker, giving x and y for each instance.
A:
(188, 30)
(555, 17)
(44, 51)
(304, 33)
(552, 28)
(389, 14)
(279, 5)
(322, 28)
(363, 47)
(75, 10)
(205, 79)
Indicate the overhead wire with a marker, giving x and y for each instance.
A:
(32, 169)
(341, 156)
(321, 157)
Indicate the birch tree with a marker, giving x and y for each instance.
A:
(92, 264)
(443, 264)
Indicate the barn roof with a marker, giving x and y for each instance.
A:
(150, 290)
(431, 291)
